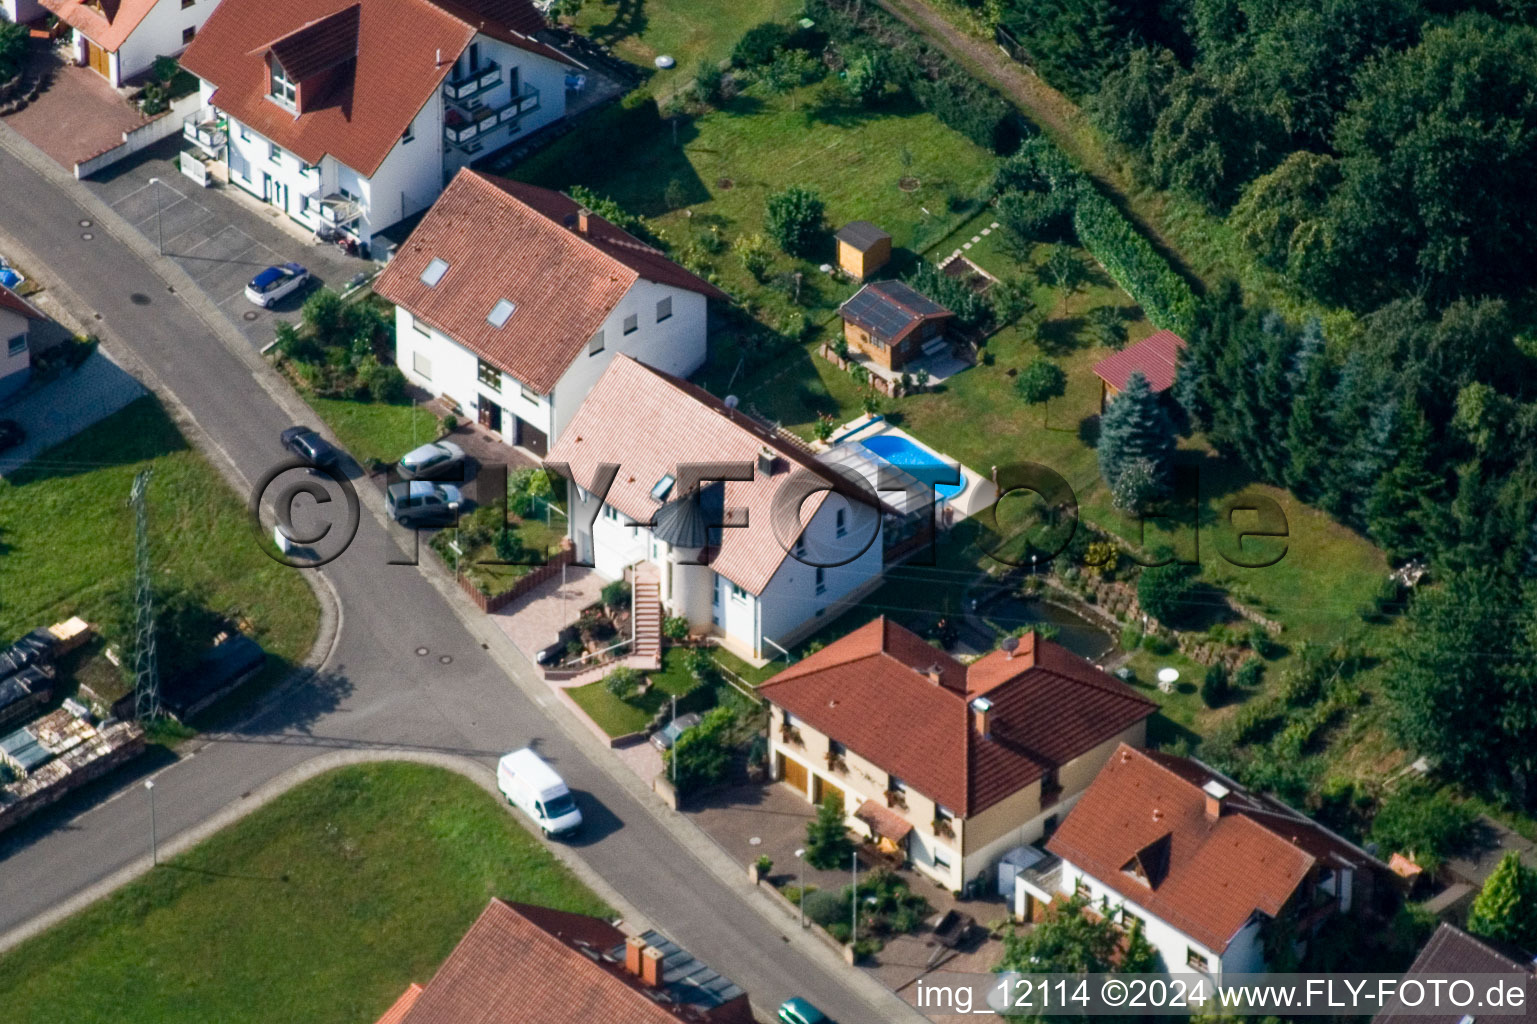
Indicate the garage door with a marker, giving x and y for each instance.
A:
(794, 773)
(98, 58)
(826, 789)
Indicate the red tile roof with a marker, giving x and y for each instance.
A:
(16, 304)
(1216, 872)
(505, 240)
(871, 691)
(1154, 357)
(108, 27)
(649, 423)
(521, 963)
(405, 49)
(402, 1006)
(318, 45)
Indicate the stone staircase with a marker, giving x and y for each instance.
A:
(646, 606)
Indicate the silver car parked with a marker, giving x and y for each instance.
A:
(432, 461)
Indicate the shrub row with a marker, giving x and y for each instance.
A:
(931, 78)
(1132, 261)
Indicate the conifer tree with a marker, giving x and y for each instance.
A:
(1135, 426)
(1505, 910)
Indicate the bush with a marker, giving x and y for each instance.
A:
(622, 682)
(1131, 637)
(1423, 822)
(826, 907)
(700, 664)
(756, 256)
(14, 43)
(1262, 643)
(765, 864)
(615, 594)
(866, 77)
(703, 753)
(708, 82)
(759, 43)
(793, 219)
(1250, 674)
(675, 627)
(1132, 261)
(1036, 216)
(384, 381)
(827, 839)
(1162, 590)
(1215, 687)
(1155, 644)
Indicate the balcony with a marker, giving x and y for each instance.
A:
(466, 129)
(207, 130)
(459, 90)
(339, 211)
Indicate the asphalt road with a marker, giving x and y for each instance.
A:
(375, 690)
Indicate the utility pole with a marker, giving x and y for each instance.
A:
(146, 671)
(854, 899)
(674, 748)
(800, 857)
(154, 851)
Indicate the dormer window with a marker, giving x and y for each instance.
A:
(283, 89)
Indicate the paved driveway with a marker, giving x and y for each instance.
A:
(221, 237)
(77, 116)
(61, 408)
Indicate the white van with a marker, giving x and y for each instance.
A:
(532, 786)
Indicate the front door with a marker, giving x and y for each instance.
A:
(99, 60)
(490, 415)
(793, 773)
(279, 195)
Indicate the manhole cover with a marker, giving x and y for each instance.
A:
(250, 314)
(85, 223)
(421, 652)
(87, 235)
(139, 299)
(445, 659)
(725, 184)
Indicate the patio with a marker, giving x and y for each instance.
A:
(938, 358)
(534, 621)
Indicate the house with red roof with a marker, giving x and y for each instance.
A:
(1208, 867)
(349, 115)
(120, 39)
(946, 764)
(16, 318)
(765, 543)
(520, 962)
(1155, 357)
(511, 300)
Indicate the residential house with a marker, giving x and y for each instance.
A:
(511, 300)
(349, 115)
(1206, 865)
(946, 764)
(750, 582)
(1450, 953)
(863, 249)
(1155, 357)
(520, 963)
(120, 39)
(892, 324)
(16, 318)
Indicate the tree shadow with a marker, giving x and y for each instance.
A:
(1059, 336)
(629, 20)
(1088, 431)
(1163, 732)
(304, 702)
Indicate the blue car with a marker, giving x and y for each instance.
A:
(798, 1011)
(276, 283)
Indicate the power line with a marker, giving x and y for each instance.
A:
(146, 671)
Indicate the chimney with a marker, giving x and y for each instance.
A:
(1215, 792)
(935, 672)
(766, 457)
(633, 946)
(583, 216)
(651, 967)
(981, 716)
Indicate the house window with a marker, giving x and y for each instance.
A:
(836, 749)
(664, 309)
(1195, 958)
(16, 346)
(941, 858)
(788, 721)
(840, 522)
(188, 32)
(422, 365)
(245, 135)
(631, 324)
(610, 512)
(529, 395)
(500, 313)
(408, 134)
(416, 325)
(274, 152)
(596, 344)
(738, 594)
(187, 3)
(282, 89)
(800, 547)
(821, 580)
(490, 376)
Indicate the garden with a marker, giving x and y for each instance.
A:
(379, 869)
(501, 542)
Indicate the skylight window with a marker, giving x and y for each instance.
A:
(500, 312)
(663, 488)
(434, 272)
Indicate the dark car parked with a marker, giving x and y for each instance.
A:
(422, 503)
(310, 447)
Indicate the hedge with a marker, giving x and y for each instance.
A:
(926, 74)
(1132, 261)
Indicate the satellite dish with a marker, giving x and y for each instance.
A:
(732, 401)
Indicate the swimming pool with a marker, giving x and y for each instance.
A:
(920, 462)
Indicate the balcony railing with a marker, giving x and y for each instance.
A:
(338, 211)
(207, 130)
(458, 90)
(466, 129)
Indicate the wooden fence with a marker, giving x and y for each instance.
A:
(496, 602)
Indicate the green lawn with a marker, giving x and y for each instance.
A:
(477, 562)
(621, 717)
(66, 536)
(689, 31)
(376, 430)
(321, 907)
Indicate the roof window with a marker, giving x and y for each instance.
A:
(500, 312)
(434, 272)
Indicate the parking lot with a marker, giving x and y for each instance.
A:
(220, 239)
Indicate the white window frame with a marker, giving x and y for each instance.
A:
(277, 79)
(16, 346)
(421, 364)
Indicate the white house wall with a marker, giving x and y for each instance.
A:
(408, 181)
(546, 75)
(159, 35)
(677, 345)
(14, 369)
(791, 606)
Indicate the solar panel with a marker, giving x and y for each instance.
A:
(872, 309)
